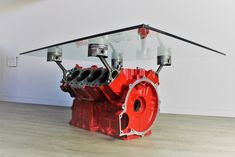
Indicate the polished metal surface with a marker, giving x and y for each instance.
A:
(97, 50)
(54, 54)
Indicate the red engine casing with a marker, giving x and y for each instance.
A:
(124, 108)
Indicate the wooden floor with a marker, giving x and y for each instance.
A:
(34, 130)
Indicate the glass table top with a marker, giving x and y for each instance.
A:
(137, 44)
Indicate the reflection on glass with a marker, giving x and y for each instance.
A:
(137, 46)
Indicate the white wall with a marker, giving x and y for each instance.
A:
(192, 85)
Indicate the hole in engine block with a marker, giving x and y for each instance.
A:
(124, 121)
(73, 75)
(114, 74)
(83, 75)
(96, 74)
(104, 77)
(137, 105)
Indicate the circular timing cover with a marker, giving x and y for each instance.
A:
(140, 108)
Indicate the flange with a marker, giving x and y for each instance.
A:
(140, 108)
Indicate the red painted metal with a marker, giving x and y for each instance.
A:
(143, 32)
(98, 108)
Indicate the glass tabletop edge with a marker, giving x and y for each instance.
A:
(91, 36)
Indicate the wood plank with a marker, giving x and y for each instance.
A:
(35, 130)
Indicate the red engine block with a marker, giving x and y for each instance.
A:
(124, 108)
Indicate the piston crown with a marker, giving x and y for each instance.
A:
(54, 54)
(97, 50)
